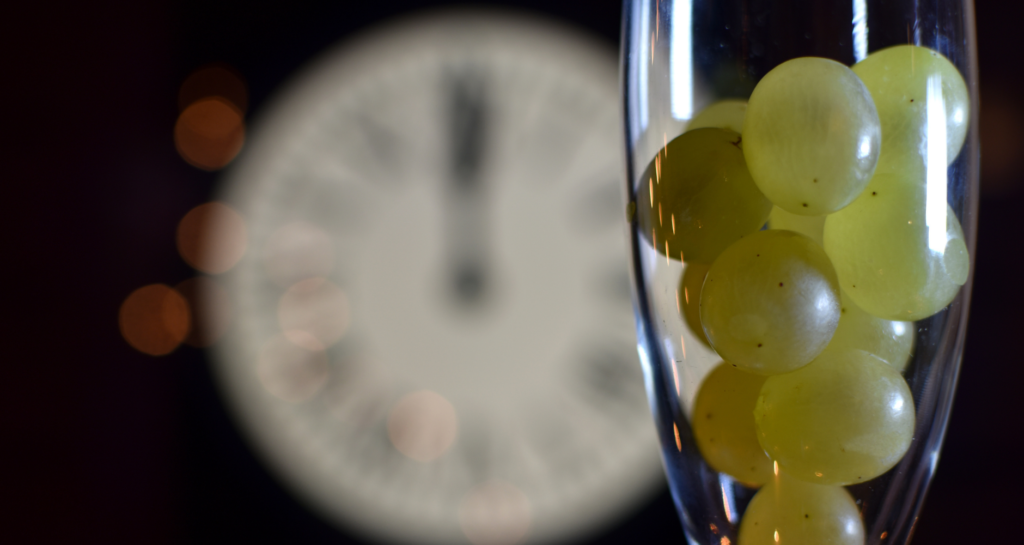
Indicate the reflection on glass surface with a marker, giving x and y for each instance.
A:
(935, 161)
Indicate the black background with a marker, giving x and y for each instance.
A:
(101, 442)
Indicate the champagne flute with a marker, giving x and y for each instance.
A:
(817, 416)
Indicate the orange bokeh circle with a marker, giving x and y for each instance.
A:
(219, 80)
(209, 133)
(154, 319)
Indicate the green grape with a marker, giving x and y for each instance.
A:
(770, 303)
(789, 512)
(905, 81)
(846, 418)
(724, 114)
(723, 423)
(811, 136)
(891, 341)
(898, 256)
(696, 198)
(811, 226)
(688, 296)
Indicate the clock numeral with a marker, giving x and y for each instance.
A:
(612, 382)
(467, 215)
(367, 145)
(328, 199)
(467, 127)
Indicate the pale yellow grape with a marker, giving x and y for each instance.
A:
(905, 81)
(811, 226)
(724, 114)
(723, 423)
(898, 256)
(890, 340)
(703, 199)
(801, 514)
(811, 136)
(846, 418)
(689, 297)
(770, 303)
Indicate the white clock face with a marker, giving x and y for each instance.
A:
(435, 339)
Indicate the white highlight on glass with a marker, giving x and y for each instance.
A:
(641, 31)
(681, 57)
(860, 29)
(935, 204)
(728, 501)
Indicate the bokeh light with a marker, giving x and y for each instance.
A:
(316, 308)
(212, 238)
(211, 310)
(214, 80)
(1001, 160)
(296, 252)
(154, 319)
(290, 372)
(209, 133)
(495, 513)
(422, 425)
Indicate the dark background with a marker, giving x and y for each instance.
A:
(99, 441)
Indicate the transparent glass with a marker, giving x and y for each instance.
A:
(679, 57)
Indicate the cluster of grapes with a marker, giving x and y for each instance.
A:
(813, 316)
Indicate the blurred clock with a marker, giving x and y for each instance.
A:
(435, 335)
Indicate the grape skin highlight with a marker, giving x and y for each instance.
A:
(889, 261)
(770, 303)
(811, 136)
(703, 199)
(903, 81)
(846, 418)
(723, 423)
(801, 514)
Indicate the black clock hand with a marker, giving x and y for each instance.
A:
(467, 225)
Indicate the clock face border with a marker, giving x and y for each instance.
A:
(288, 450)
